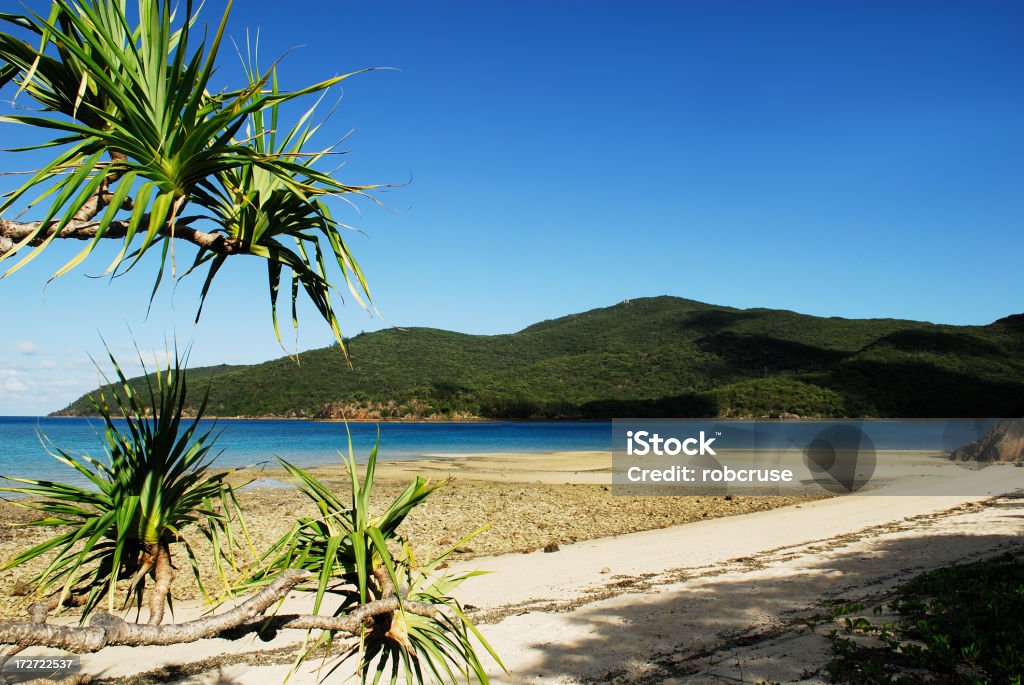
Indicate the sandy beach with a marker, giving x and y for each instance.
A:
(529, 501)
(641, 590)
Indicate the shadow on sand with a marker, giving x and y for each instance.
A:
(729, 627)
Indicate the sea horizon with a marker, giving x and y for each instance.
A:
(261, 443)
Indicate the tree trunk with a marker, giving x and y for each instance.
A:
(163, 574)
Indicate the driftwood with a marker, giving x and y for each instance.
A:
(107, 630)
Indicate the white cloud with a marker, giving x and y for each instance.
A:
(39, 392)
(27, 347)
(10, 383)
(47, 364)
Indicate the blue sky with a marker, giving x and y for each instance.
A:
(857, 159)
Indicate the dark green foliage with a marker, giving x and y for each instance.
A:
(654, 357)
(960, 624)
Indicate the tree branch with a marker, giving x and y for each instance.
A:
(13, 232)
(352, 622)
(108, 630)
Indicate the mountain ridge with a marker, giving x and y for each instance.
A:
(657, 357)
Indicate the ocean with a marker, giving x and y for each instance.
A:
(243, 443)
(258, 443)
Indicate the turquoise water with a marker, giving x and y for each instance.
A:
(311, 443)
(305, 443)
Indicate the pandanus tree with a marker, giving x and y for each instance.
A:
(110, 539)
(156, 480)
(142, 148)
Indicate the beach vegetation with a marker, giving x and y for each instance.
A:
(137, 144)
(158, 492)
(115, 538)
(356, 557)
(958, 624)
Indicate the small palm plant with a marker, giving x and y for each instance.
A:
(124, 528)
(417, 629)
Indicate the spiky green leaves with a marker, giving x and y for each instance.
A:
(156, 483)
(357, 556)
(146, 145)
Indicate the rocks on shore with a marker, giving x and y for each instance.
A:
(1004, 442)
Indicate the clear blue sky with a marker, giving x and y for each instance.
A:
(858, 159)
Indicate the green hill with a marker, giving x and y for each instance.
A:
(661, 356)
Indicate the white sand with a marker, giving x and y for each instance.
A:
(714, 601)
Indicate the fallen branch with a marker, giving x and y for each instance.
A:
(352, 622)
(105, 630)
